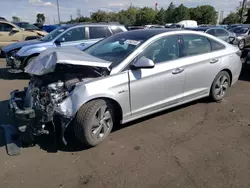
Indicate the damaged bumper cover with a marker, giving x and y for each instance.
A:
(16, 106)
(25, 117)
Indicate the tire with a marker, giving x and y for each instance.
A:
(220, 86)
(89, 124)
(241, 44)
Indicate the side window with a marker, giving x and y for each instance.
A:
(5, 27)
(216, 45)
(221, 33)
(195, 45)
(211, 32)
(99, 32)
(74, 34)
(116, 30)
(1, 27)
(164, 49)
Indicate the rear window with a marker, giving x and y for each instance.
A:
(221, 33)
(216, 45)
(99, 32)
(195, 45)
(116, 30)
(211, 32)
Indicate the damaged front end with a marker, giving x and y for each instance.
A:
(53, 79)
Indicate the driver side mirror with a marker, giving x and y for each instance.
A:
(231, 40)
(14, 30)
(60, 40)
(142, 63)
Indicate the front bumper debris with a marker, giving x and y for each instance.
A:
(14, 61)
(29, 125)
(16, 106)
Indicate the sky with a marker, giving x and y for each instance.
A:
(28, 9)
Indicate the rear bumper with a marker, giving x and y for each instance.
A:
(16, 106)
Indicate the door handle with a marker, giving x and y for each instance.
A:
(214, 61)
(178, 71)
(83, 44)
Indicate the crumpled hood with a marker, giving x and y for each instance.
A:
(17, 45)
(46, 62)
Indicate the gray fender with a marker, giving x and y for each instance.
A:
(78, 98)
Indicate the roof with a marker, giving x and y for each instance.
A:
(20, 22)
(144, 34)
(89, 23)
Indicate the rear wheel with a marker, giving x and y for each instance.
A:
(94, 122)
(241, 44)
(220, 86)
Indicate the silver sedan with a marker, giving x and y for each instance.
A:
(125, 77)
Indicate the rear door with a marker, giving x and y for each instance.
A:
(7, 36)
(96, 33)
(203, 62)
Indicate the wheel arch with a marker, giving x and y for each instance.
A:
(229, 72)
(226, 70)
(28, 57)
(118, 108)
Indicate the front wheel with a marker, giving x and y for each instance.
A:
(220, 86)
(94, 122)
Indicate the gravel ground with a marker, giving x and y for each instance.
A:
(201, 144)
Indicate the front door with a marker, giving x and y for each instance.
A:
(161, 86)
(72, 37)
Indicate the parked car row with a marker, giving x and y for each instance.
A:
(19, 55)
(218, 32)
(12, 33)
(121, 78)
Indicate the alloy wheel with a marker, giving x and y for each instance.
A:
(101, 123)
(221, 86)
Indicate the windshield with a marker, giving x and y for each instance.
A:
(116, 48)
(27, 26)
(51, 36)
(241, 30)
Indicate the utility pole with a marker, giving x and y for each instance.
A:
(242, 10)
(58, 11)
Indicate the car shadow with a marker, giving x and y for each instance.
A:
(10, 74)
(120, 127)
(52, 143)
(245, 72)
(5, 119)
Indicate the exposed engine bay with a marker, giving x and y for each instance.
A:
(57, 76)
(45, 92)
